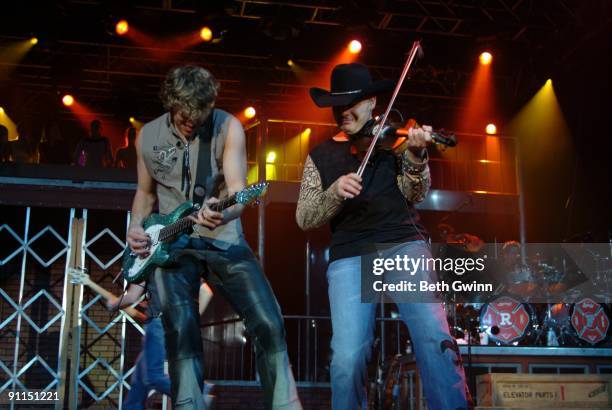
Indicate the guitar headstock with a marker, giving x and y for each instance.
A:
(252, 193)
(79, 276)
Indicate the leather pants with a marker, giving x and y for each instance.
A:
(235, 273)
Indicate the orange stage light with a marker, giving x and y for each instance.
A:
(290, 63)
(485, 58)
(122, 27)
(68, 100)
(1, 110)
(206, 34)
(33, 41)
(354, 47)
(249, 112)
(491, 129)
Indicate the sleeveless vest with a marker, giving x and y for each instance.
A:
(163, 152)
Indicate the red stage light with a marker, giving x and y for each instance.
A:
(486, 58)
(354, 47)
(122, 27)
(250, 112)
(491, 129)
(206, 34)
(68, 100)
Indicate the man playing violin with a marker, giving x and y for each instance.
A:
(375, 209)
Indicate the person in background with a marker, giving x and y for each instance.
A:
(53, 150)
(93, 150)
(6, 150)
(126, 156)
(24, 151)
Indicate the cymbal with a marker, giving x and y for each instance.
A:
(465, 241)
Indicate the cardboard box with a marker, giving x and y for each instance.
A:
(552, 391)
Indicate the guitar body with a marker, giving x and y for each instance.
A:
(136, 269)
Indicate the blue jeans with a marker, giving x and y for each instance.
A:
(149, 373)
(437, 355)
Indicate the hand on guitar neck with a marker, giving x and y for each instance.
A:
(80, 277)
(209, 215)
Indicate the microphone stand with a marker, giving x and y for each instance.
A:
(471, 382)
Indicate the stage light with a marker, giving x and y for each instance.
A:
(132, 119)
(249, 112)
(33, 41)
(206, 34)
(271, 157)
(491, 129)
(1, 110)
(354, 47)
(122, 27)
(290, 63)
(68, 100)
(486, 58)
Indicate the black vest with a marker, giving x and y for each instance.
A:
(379, 214)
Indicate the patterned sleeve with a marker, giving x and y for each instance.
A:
(315, 206)
(414, 180)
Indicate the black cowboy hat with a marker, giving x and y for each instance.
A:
(349, 84)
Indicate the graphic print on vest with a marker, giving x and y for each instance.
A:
(164, 159)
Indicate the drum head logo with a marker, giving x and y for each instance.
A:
(509, 315)
(590, 321)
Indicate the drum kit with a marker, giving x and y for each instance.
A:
(511, 317)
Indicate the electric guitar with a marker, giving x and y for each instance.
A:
(163, 230)
(81, 277)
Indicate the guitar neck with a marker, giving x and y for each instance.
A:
(136, 314)
(99, 289)
(185, 224)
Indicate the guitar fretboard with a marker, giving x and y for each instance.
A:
(185, 223)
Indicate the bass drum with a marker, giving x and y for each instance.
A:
(507, 321)
(590, 321)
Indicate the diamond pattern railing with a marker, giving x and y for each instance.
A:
(115, 258)
(45, 365)
(30, 307)
(109, 369)
(17, 238)
(47, 263)
(13, 315)
(110, 361)
(51, 321)
(29, 302)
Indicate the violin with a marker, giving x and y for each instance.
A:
(397, 138)
(394, 138)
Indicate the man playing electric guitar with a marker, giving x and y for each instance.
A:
(168, 151)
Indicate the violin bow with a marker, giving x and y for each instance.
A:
(411, 56)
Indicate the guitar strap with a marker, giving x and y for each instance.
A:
(203, 177)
